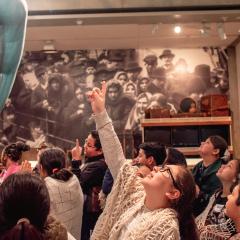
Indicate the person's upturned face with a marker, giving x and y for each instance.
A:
(232, 210)
(206, 148)
(113, 94)
(160, 180)
(227, 172)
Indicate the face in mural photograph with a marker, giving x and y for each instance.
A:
(30, 80)
(113, 93)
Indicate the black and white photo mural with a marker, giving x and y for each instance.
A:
(48, 101)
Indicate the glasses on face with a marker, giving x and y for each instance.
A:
(88, 145)
(166, 171)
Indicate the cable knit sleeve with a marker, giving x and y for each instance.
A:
(111, 145)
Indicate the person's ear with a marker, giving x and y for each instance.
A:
(151, 161)
(173, 194)
(216, 151)
(100, 151)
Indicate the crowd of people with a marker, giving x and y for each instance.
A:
(54, 87)
(101, 195)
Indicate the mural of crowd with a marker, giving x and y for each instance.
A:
(48, 101)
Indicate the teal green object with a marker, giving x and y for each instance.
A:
(13, 20)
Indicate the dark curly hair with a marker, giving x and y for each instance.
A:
(14, 151)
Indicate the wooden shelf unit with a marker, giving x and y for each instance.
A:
(199, 126)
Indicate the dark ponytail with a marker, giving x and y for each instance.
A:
(62, 174)
(53, 161)
(187, 226)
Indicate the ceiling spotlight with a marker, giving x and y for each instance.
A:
(79, 22)
(177, 29)
(220, 29)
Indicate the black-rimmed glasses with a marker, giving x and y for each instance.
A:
(169, 173)
(88, 144)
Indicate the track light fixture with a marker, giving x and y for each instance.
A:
(221, 32)
(205, 30)
(155, 28)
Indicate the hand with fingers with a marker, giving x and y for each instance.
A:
(97, 98)
(26, 166)
(77, 151)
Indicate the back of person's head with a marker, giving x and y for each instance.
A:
(14, 151)
(183, 205)
(175, 157)
(53, 162)
(155, 150)
(24, 207)
(219, 143)
(97, 144)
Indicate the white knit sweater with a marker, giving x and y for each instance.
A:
(66, 203)
(127, 197)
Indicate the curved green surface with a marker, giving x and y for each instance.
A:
(13, 18)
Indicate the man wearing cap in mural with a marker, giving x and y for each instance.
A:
(167, 62)
(133, 70)
(103, 74)
(158, 84)
(151, 63)
(39, 95)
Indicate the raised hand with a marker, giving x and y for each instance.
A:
(77, 151)
(26, 166)
(97, 98)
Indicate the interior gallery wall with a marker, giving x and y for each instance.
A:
(48, 101)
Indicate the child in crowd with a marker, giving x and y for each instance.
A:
(212, 222)
(211, 151)
(155, 207)
(65, 192)
(10, 158)
(24, 210)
